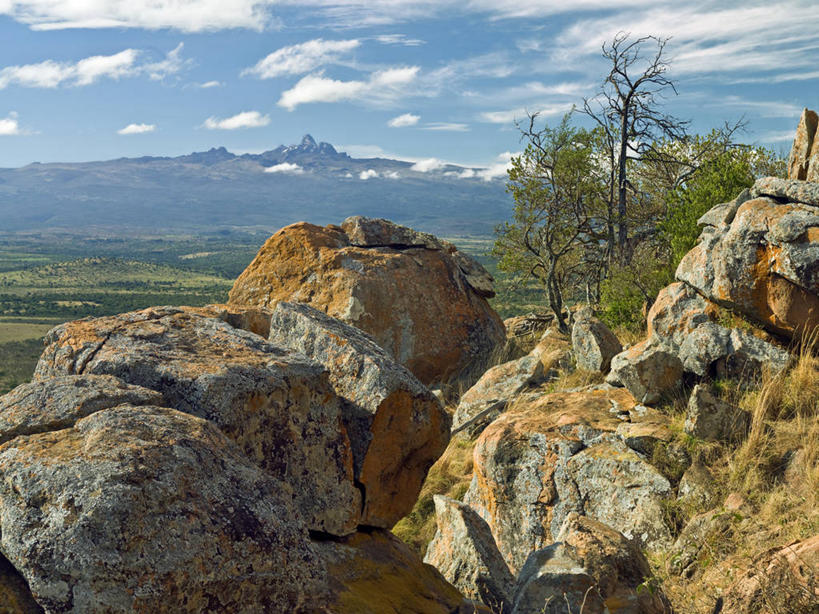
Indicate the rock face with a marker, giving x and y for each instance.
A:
(569, 452)
(804, 159)
(491, 394)
(278, 406)
(764, 262)
(88, 513)
(594, 345)
(417, 296)
(590, 565)
(650, 370)
(464, 551)
(397, 427)
(781, 580)
(711, 419)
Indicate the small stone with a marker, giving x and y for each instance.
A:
(712, 419)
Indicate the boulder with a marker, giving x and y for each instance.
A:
(697, 488)
(376, 573)
(417, 296)
(779, 580)
(397, 427)
(677, 311)
(594, 345)
(650, 370)
(765, 263)
(278, 406)
(712, 419)
(591, 568)
(567, 452)
(464, 551)
(150, 509)
(490, 396)
(695, 540)
(529, 324)
(803, 145)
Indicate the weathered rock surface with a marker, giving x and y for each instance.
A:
(491, 394)
(57, 403)
(650, 370)
(712, 419)
(376, 573)
(595, 567)
(804, 145)
(563, 453)
(278, 406)
(780, 580)
(418, 297)
(397, 427)
(88, 513)
(594, 345)
(464, 551)
(697, 487)
(763, 265)
(677, 312)
(693, 541)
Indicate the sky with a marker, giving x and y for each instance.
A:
(428, 80)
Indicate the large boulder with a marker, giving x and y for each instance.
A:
(591, 568)
(803, 162)
(417, 296)
(676, 312)
(153, 510)
(650, 370)
(764, 263)
(570, 452)
(278, 406)
(464, 551)
(397, 427)
(594, 345)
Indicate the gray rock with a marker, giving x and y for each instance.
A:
(650, 370)
(676, 312)
(149, 509)
(275, 403)
(594, 345)
(491, 394)
(704, 346)
(375, 232)
(723, 214)
(397, 427)
(748, 356)
(694, 538)
(799, 159)
(697, 488)
(712, 419)
(57, 403)
(464, 551)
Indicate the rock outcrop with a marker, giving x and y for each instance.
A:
(590, 566)
(804, 159)
(569, 452)
(650, 370)
(464, 551)
(397, 427)
(419, 297)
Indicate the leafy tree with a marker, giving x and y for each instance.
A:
(558, 198)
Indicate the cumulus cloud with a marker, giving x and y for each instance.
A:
(427, 165)
(246, 119)
(402, 121)
(381, 87)
(185, 15)
(52, 74)
(9, 126)
(368, 174)
(285, 167)
(137, 129)
(301, 58)
(498, 169)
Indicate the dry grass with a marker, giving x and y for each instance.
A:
(775, 470)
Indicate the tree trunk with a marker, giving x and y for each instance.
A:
(556, 300)
(622, 223)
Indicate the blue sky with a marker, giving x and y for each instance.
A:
(413, 79)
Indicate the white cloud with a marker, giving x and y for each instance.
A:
(393, 175)
(402, 121)
(427, 165)
(368, 174)
(285, 167)
(446, 127)
(382, 87)
(467, 173)
(301, 58)
(399, 39)
(520, 113)
(185, 15)
(246, 119)
(499, 168)
(137, 129)
(10, 126)
(210, 84)
(52, 74)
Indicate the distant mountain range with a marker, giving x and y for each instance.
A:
(216, 189)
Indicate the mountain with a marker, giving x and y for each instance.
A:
(217, 189)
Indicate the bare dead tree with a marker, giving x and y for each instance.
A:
(627, 110)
